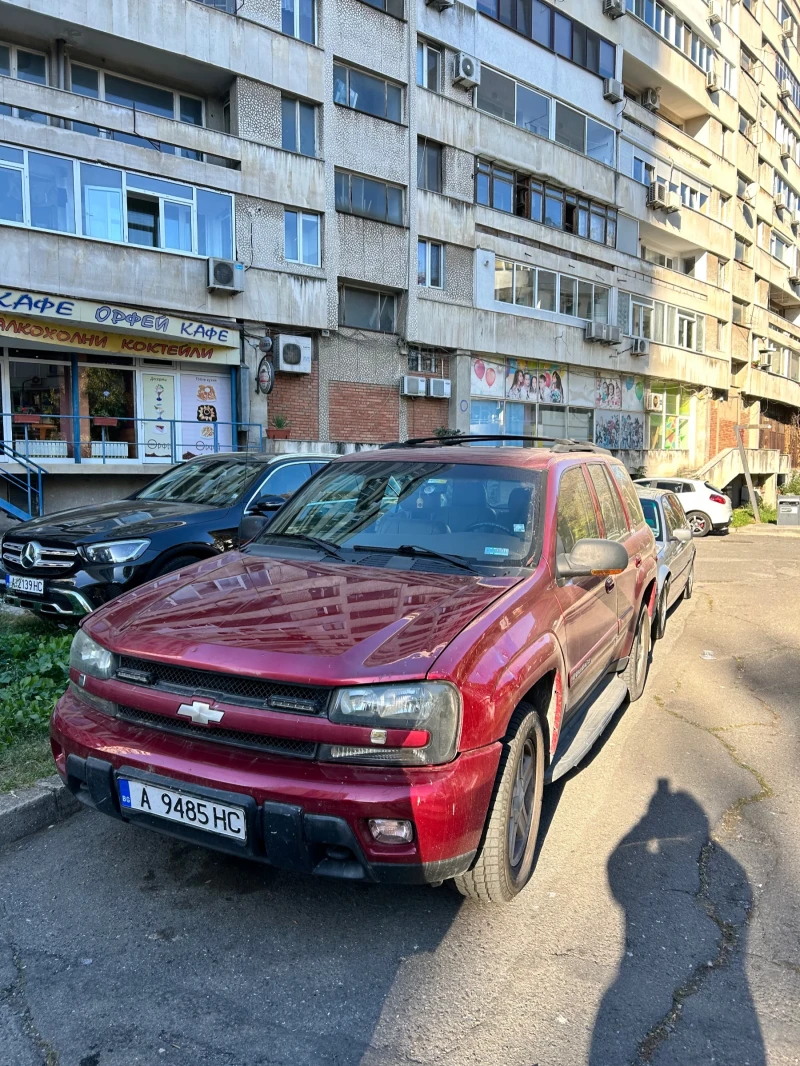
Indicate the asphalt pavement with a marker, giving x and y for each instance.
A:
(662, 924)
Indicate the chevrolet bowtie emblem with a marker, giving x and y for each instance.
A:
(200, 713)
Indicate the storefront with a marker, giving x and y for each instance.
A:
(82, 382)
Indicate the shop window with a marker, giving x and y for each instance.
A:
(430, 264)
(298, 126)
(429, 66)
(369, 198)
(301, 237)
(365, 92)
(429, 165)
(367, 309)
(41, 391)
(298, 19)
(669, 428)
(24, 65)
(107, 428)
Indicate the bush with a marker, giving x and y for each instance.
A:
(792, 486)
(34, 671)
(743, 516)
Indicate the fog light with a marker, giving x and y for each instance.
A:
(391, 830)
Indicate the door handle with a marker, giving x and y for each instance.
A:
(609, 584)
(638, 560)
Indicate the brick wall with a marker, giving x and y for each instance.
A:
(725, 416)
(297, 397)
(361, 413)
(425, 416)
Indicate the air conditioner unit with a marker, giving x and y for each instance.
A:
(673, 203)
(712, 81)
(714, 13)
(413, 386)
(785, 89)
(786, 150)
(294, 354)
(657, 195)
(651, 99)
(750, 192)
(794, 276)
(763, 362)
(640, 346)
(614, 8)
(613, 334)
(440, 5)
(439, 388)
(613, 90)
(225, 276)
(468, 71)
(654, 401)
(594, 332)
(780, 202)
(787, 28)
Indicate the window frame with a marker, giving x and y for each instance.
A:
(297, 102)
(350, 68)
(296, 21)
(349, 174)
(559, 291)
(13, 73)
(427, 243)
(380, 295)
(424, 48)
(429, 148)
(300, 216)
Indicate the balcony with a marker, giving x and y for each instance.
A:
(650, 61)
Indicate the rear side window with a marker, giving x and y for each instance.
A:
(576, 514)
(676, 518)
(632, 503)
(614, 521)
(652, 517)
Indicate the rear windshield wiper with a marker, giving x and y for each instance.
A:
(412, 550)
(326, 546)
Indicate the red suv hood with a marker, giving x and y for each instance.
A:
(285, 619)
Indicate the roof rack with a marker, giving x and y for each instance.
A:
(557, 444)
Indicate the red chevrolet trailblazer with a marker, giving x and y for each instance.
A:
(380, 682)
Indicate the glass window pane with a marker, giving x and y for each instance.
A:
(525, 283)
(367, 93)
(592, 51)
(101, 202)
(546, 284)
(11, 194)
(433, 167)
(524, 17)
(562, 38)
(482, 188)
(287, 17)
(434, 60)
(422, 262)
(394, 103)
(386, 322)
(160, 188)
(537, 202)
(600, 142)
(373, 198)
(342, 184)
(420, 63)
(84, 81)
(503, 191)
(339, 84)
(533, 111)
(578, 44)
(306, 20)
(600, 312)
(308, 129)
(597, 226)
(580, 424)
(576, 517)
(191, 110)
(143, 222)
(570, 127)
(553, 209)
(436, 265)
(5, 61)
(585, 301)
(31, 67)
(144, 97)
(290, 245)
(311, 240)
(394, 202)
(568, 290)
(503, 281)
(540, 15)
(177, 226)
(289, 125)
(214, 224)
(359, 308)
(52, 193)
(607, 60)
(496, 94)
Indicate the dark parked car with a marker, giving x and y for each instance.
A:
(72, 562)
(676, 551)
(377, 686)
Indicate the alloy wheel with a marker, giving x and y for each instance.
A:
(520, 813)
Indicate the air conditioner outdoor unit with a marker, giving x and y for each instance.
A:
(614, 8)
(613, 334)
(780, 202)
(712, 81)
(785, 89)
(794, 277)
(225, 276)
(763, 362)
(786, 150)
(594, 332)
(414, 386)
(673, 203)
(787, 28)
(640, 346)
(651, 99)
(294, 354)
(657, 195)
(750, 192)
(613, 90)
(654, 401)
(439, 388)
(714, 13)
(441, 5)
(468, 71)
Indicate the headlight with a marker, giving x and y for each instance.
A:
(434, 706)
(88, 657)
(116, 551)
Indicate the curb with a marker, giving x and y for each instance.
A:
(31, 809)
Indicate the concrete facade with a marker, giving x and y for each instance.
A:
(710, 285)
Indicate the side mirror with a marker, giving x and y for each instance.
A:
(267, 504)
(682, 535)
(250, 527)
(590, 557)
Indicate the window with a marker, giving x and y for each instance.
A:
(429, 165)
(527, 286)
(559, 33)
(643, 172)
(369, 198)
(430, 264)
(495, 187)
(740, 312)
(614, 522)
(570, 127)
(669, 427)
(576, 519)
(741, 251)
(533, 111)
(285, 481)
(391, 7)
(297, 19)
(747, 61)
(298, 126)
(429, 66)
(628, 493)
(657, 258)
(113, 205)
(665, 23)
(746, 125)
(301, 237)
(366, 92)
(781, 250)
(423, 361)
(366, 309)
(639, 316)
(24, 65)
(496, 95)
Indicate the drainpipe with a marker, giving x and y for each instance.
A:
(61, 63)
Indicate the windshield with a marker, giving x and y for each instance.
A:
(215, 482)
(652, 516)
(481, 514)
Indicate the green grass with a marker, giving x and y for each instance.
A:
(34, 658)
(743, 516)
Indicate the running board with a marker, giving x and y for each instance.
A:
(585, 727)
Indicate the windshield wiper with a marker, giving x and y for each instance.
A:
(412, 550)
(315, 542)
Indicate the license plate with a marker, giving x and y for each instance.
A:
(183, 807)
(25, 584)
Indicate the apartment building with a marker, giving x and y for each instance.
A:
(575, 219)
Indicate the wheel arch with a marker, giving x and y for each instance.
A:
(198, 550)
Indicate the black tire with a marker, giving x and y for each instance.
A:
(177, 562)
(635, 673)
(494, 876)
(688, 588)
(699, 523)
(660, 627)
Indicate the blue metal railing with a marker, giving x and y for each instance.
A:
(29, 484)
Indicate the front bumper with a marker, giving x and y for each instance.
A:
(305, 816)
(74, 596)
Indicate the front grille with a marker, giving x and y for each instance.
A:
(253, 691)
(298, 749)
(46, 558)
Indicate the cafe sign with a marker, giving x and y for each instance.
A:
(112, 317)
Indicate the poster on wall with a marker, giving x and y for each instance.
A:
(607, 392)
(582, 389)
(522, 380)
(552, 383)
(158, 407)
(205, 401)
(632, 393)
(488, 379)
(619, 430)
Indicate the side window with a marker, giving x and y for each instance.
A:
(677, 507)
(675, 517)
(285, 480)
(632, 505)
(614, 522)
(576, 514)
(669, 518)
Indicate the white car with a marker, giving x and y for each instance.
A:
(706, 507)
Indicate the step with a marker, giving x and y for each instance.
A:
(582, 730)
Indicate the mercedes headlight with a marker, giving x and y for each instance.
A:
(116, 551)
(88, 657)
(432, 706)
